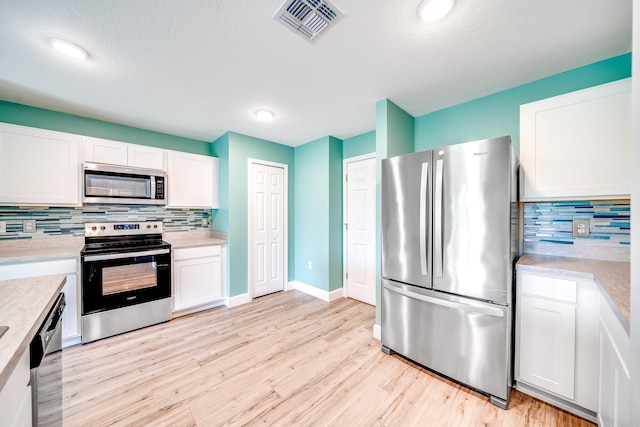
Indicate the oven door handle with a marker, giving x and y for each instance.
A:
(125, 255)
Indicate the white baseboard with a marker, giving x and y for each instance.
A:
(191, 310)
(289, 286)
(68, 342)
(377, 332)
(237, 300)
(315, 292)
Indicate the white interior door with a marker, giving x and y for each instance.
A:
(268, 237)
(360, 230)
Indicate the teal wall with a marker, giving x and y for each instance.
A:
(358, 145)
(318, 199)
(24, 115)
(499, 114)
(234, 151)
(395, 130)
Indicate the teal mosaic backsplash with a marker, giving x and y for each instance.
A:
(58, 222)
(550, 225)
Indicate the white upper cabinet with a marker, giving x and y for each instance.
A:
(192, 180)
(577, 145)
(142, 156)
(98, 150)
(38, 167)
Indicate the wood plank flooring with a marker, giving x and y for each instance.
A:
(284, 359)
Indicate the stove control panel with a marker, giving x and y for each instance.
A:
(99, 229)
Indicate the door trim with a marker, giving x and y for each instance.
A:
(345, 251)
(250, 209)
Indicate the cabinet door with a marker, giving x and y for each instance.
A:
(38, 167)
(577, 145)
(71, 313)
(145, 157)
(191, 180)
(70, 318)
(197, 281)
(615, 386)
(15, 396)
(547, 344)
(104, 151)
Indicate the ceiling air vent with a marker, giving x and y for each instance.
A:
(308, 18)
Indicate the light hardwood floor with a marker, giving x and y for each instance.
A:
(283, 359)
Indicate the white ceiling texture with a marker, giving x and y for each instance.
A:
(199, 68)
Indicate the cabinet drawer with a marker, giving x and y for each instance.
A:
(548, 287)
(199, 252)
(32, 269)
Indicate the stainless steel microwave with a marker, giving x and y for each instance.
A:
(123, 185)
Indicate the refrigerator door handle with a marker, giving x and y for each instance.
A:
(424, 181)
(437, 220)
(468, 308)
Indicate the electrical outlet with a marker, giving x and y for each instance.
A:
(581, 227)
(29, 226)
(309, 265)
(3, 226)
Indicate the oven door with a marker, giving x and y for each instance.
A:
(119, 280)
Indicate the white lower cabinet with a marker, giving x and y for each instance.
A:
(614, 408)
(197, 277)
(547, 345)
(15, 396)
(556, 340)
(71, 315)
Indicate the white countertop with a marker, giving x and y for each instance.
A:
(24, 303)
(34, 250)
(191, 239)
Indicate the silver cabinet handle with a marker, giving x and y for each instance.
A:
(469, 308)
(424, 181)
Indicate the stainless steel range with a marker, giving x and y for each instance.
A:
(126, 278)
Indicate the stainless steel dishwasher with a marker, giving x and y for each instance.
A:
(46, 368)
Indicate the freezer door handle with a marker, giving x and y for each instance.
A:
(469, 308)
(424, 181)
(437, 219)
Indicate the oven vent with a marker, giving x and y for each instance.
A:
(308, 18)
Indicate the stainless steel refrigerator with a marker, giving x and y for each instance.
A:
(449, 241)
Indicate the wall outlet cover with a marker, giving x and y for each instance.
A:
(581, 227)
(3, 226)
(29, 226)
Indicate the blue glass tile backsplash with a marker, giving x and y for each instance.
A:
(550, 226)
(70, 221)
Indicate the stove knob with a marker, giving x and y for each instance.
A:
(155, 226)
(94, 228)
(103, 227)
(148, 225)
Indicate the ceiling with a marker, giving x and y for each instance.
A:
(200, 68)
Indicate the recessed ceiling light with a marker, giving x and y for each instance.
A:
(67, 48)
(264, 115)
(432, 10)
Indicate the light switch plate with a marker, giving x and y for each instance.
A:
(581, 227)
(3, 226)
(29, 226)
